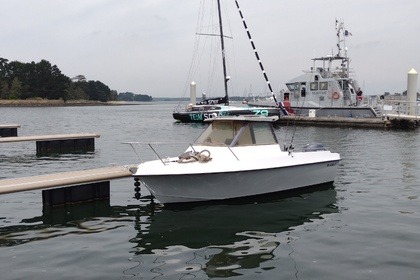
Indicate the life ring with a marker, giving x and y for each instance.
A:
(336, 95)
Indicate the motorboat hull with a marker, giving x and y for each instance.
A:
(179, 188)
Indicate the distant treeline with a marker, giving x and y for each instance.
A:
(42, 80)
(129, 96)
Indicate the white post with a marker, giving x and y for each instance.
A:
(412, 91)
(192, 93)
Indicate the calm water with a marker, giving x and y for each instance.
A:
(365, 226)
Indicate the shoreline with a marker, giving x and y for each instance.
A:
(62, 103)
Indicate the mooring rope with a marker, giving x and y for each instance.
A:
(202, 157)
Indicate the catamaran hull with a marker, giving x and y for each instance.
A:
(201, 116)
(229, 185)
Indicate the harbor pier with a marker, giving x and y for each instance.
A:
(390, 121)
(79, 186)
(58, 143)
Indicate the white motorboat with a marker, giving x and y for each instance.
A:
(237, 156)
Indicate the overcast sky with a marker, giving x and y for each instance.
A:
(146, 46)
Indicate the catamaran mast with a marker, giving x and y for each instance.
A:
(222, 42)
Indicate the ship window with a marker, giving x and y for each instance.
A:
(245, 137)
(291, 87)
(340, 85)
(219, 133)
(323, 85)
(263, 134)
(303, 91)
(255, 134)
(314, 86)
(316, 77)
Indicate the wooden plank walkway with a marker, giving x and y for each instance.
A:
(53, 137)
(64, 179)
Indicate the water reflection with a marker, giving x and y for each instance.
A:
(215, 240)
(71, 219)
(220, 239)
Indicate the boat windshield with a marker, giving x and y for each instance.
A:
(234, 134)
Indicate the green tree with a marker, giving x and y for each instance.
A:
(96, 90)
(114, 95)
(129, 96)
(29, 80)
(4, 90)
(15, 89)
(3, 67)
(75, 92)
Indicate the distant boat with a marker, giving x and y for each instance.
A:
(235, 157)
(219, 106)
(329, 88)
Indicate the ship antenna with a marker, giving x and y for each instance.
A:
(338, 27)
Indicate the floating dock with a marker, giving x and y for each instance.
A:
(8, 130)
(388, 122)
(63, 179)
(58, 143)
(69, 187)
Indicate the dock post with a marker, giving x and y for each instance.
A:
(76, 194)
(412, 92)
(8, 132)
(82, 145)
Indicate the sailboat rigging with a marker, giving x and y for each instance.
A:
(215, 107)
(256, 53)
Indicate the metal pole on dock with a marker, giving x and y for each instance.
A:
(412, 91)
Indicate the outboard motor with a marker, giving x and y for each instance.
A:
(313, 147)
